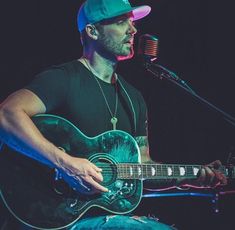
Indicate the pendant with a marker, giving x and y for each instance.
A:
(114, 121)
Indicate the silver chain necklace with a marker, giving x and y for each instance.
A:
(113, 119)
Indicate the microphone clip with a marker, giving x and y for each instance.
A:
(163, 73)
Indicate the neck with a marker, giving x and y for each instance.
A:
(102, 68)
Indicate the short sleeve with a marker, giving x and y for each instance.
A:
(51, 86)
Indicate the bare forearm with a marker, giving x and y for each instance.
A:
(143, 144)
(19, 132)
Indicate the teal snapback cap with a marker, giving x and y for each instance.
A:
(93, 11)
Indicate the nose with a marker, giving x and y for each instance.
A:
(132, 28)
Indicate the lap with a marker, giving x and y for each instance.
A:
(105, 222)
(121, 222)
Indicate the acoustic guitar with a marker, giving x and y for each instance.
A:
(38, 197)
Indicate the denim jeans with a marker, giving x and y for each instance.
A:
(110, 222)
(120, 222)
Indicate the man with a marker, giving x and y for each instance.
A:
(90, 94)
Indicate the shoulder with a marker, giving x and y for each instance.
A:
(61, 72)
(70, 67)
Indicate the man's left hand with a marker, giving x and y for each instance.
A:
(211, 176)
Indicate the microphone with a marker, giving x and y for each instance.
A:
(148, 51)
(148, 47)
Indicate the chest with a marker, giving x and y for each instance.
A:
(92, 106)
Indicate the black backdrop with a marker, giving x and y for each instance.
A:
(195, 41)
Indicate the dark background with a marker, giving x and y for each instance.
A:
(195, 41)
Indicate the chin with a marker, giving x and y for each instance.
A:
(125, 57)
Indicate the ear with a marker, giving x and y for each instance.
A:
(92, 31)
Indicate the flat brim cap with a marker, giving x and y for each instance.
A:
(93, 11)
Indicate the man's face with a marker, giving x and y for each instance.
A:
(116, 37)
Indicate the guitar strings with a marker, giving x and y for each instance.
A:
(123, 170)
(132, 170)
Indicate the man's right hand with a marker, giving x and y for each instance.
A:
(81, 173)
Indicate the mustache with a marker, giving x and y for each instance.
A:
(128, 39)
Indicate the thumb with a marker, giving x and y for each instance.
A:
(215, 164)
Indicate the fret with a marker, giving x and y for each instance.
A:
(176, 171)
(123, 171)
(182, 171)
(142, 171)
(163, 171)
(156, 170)
(195, 170)
(189, 171)
(147, 173)
(120, 171)
(159, 171)
(169, 171)
(134, 168)
(131, 171)
(139, 171)
(153, 171)
(147, 169)
(126, 172)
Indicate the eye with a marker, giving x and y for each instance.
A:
(134, 24)
(121, 21)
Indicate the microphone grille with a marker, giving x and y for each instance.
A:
(151, 48)
(148, 46)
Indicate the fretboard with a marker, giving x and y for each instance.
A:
(161, 171)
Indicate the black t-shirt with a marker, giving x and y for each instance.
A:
(71, 91)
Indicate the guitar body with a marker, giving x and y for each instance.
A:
(35, 195)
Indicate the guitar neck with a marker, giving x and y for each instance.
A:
(164, 171)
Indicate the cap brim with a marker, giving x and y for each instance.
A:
(140, 12)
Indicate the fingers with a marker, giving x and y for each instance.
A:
(86, 168)
(95, 184)
(95, 172)
(215, 164)
(92, 175)
(210, 176)
(206, 176)
(96, 168)
(220, 178)
(80, 172)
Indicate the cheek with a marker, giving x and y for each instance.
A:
(114, 34)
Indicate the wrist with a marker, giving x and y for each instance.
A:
(56, 156)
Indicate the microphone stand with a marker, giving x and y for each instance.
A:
(163, 73)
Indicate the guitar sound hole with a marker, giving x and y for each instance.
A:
(109, 171)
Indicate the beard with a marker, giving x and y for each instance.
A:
(121, 50)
